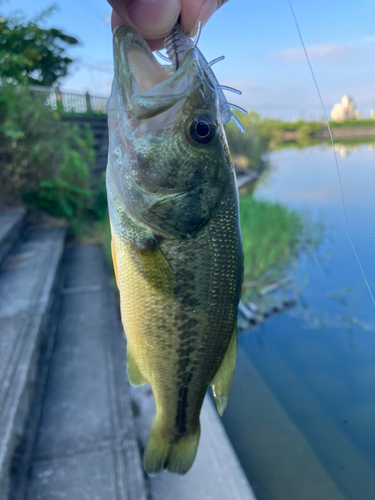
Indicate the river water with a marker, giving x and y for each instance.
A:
(301, 415)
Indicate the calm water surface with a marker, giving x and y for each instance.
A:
(302, 409)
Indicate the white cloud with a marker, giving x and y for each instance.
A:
(315, 53)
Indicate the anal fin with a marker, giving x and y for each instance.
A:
(222, 381)
(135, 377)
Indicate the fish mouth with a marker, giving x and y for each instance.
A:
(147, 87)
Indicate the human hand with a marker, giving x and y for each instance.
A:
(154, 19)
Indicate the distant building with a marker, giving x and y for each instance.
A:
(372, 114)
(344, 110)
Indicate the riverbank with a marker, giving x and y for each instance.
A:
(338, 133)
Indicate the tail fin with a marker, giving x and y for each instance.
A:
(175, 455)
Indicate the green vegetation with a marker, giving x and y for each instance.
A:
(318, 142)
(354, 142)
(273, 239)
(30, 53)
(34, 142)
(363, 122)
(43, 161)
(46, 162)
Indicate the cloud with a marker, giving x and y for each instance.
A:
(368, 39)
(315, 53)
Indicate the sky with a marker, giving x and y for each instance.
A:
(264, 57)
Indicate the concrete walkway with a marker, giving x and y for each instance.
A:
(27, 278)
(86, 447)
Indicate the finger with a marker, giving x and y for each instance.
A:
(153, 19)
(193, 11)
(117, 21)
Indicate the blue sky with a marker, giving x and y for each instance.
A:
(264, 58)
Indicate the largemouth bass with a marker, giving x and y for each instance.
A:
(176, 241)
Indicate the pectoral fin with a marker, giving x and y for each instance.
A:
(157, 271)
(222, 381)
(135, 377)
(113, 252)
(185, 214)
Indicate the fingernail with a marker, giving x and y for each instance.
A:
(208, 8)
(154, 18)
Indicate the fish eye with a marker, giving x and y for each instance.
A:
(202, 128)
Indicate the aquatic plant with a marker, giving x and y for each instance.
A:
(273, 239)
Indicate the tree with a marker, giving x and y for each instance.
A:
(30, 53)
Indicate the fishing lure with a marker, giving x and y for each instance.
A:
(177, 43)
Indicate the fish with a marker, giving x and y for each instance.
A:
(176, 240)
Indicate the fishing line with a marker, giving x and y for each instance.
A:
(334, 153)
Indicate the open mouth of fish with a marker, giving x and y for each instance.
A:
(149, 88)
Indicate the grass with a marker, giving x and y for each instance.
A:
(301, 144)
(353, 123)
(273, 239)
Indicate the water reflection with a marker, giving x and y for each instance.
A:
(302, 410)
(274, 240)
(344, 150)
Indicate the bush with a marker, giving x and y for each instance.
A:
(67, 193)
(45, 161)
(29, 140)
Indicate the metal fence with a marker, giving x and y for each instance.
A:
(72, 103)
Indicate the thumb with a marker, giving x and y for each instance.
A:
(153, 19)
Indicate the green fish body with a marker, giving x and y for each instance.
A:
(176, 242)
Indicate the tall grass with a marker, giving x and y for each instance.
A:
(273, 239)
